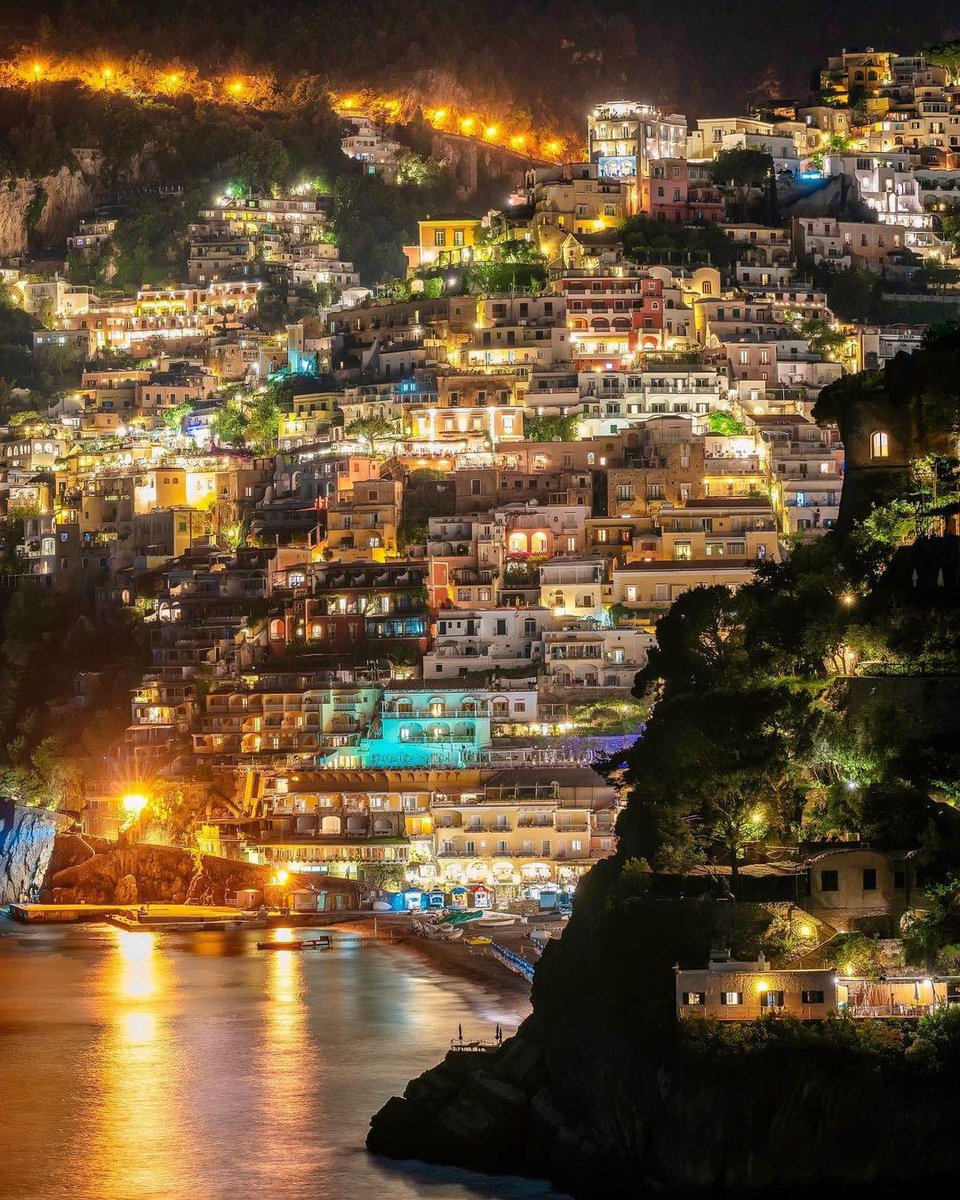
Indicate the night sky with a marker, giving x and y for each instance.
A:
(704, 56)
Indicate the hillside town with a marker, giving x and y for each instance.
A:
(479, 599)
(400, 562)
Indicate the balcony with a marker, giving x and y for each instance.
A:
(430, 714)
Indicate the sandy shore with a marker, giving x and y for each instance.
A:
(475, 963)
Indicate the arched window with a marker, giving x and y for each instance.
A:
(538, 543)
(879, 445)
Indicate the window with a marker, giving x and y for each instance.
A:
(682, 551)
(694, 999)
(812, 997)
(731, 997)
(458, 237)
(879, 445)
(661, 591)
(439, 237)
(470, 847)
(899, 880)
(829, 881)
(772, 1000)
(869, 879)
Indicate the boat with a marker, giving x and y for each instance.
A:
(442, 933)
(497, 920)
(461, 916)
(479, 941)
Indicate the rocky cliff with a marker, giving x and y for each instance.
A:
(599, 1093)
(26, 844)
(98, 871)
(44, 210)
(682, 1131)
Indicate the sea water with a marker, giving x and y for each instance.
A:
(144, 1066)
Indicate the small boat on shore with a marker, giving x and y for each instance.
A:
(497, 920)
(442, 933)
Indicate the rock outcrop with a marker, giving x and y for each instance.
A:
(27, 838)
(600, 1094)
(679, 1131)
(46, 209)
(97, 871)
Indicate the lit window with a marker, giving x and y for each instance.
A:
(879, 445)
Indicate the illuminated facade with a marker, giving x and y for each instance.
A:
(443, 242)
(624, 136)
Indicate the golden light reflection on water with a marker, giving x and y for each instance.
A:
(137, 975)
(134, 1142)
(290, 1063)
(167, 1067)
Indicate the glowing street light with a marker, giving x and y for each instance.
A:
(848, 599)
(107, 74)
(236, 87)
(491, 132)
(37, 70)
(133, 804)
(467, 124)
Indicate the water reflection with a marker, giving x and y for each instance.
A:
(136, 978)
(163, 1067)
(290, 1070)
(135, 1135)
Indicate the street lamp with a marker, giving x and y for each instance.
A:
(134, 803)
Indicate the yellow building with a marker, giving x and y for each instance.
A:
(362, 522)
(168, 487)
(443, 241)
(524, 829)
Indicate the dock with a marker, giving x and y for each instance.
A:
(158, 915)
(63, 914)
